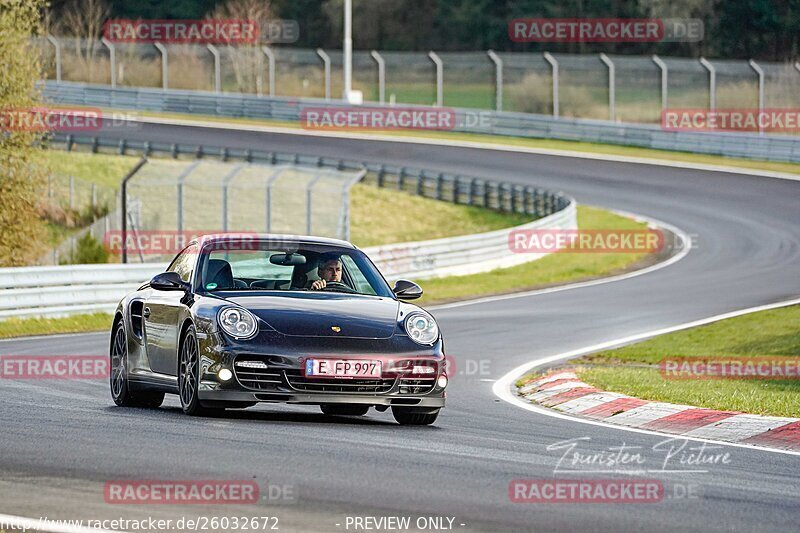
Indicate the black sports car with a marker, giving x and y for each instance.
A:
(241, 319)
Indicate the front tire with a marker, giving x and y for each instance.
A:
(121, 391)
(409, 416)
(343, 409)
(189, 377)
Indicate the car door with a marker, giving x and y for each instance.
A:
(162, 311)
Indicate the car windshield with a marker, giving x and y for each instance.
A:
(299, 267)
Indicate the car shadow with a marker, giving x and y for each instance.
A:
(258, 416)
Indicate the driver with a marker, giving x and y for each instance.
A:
(329, 269)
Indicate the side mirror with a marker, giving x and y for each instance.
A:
(406, 290)
(168, 281)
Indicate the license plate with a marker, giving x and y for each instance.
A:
(343, 368)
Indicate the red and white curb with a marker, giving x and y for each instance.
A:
(563, 391)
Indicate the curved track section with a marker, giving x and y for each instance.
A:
(61, 441)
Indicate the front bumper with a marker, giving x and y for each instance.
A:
(405, 400)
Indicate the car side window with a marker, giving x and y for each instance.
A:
(184, 263)
(360, 281)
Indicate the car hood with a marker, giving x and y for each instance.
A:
(318, 314)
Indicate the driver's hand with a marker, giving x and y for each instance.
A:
(318, 285)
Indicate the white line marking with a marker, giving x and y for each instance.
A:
(502, 387)
(474, 144)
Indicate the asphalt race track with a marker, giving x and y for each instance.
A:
(62, 440)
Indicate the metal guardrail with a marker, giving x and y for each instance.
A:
(71, 289)
(443, 186)
(740, 145)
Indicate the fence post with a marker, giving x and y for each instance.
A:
(761, 94)
(164, 64)
(275, 175)
(271, 63)
(664, 81)
(381, 75)
(473, 186)
(439, 78)
(181, 178)
(612, 87)
(217, 69)
(498, 77)
(225, 185)
(309, 196)
(124, 206)
(439, 184)
(554, 64)
(113, 56)
(712, 83)
(57, 45)
(326, 61)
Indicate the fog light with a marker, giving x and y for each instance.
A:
(225, 374)
(442, 381)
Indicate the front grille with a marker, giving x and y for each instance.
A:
(333, 385)
(252, 375)
(417, 385)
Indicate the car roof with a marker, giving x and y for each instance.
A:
(278, 237)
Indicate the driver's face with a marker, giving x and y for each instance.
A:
(330, 271)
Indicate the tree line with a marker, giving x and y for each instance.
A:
(760, 29)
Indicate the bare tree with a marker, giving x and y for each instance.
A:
(247, 61)
(83, 19)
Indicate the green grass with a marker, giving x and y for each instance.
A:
(22, 327)
(103, 169)
(633, 369)
(554, 269)
(383, 216)
(576, 146)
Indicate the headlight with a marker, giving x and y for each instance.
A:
(237, 322)
(421, 328)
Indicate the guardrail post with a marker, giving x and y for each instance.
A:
(124, 205)
(420, 187)
(381, 75)
(456, 182)
(439, 78)
(612, 87)
(164, 64)
(664, 81)
(439, 184)
(761, 94)
(401, 179)
(498, 79)
(217, 69)
(326, 61)
(271, 65)
(473, 187)
(486, 194)
(712, 83)
(112, 51)
(554, 64)
(381, 174)
(57, 45)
